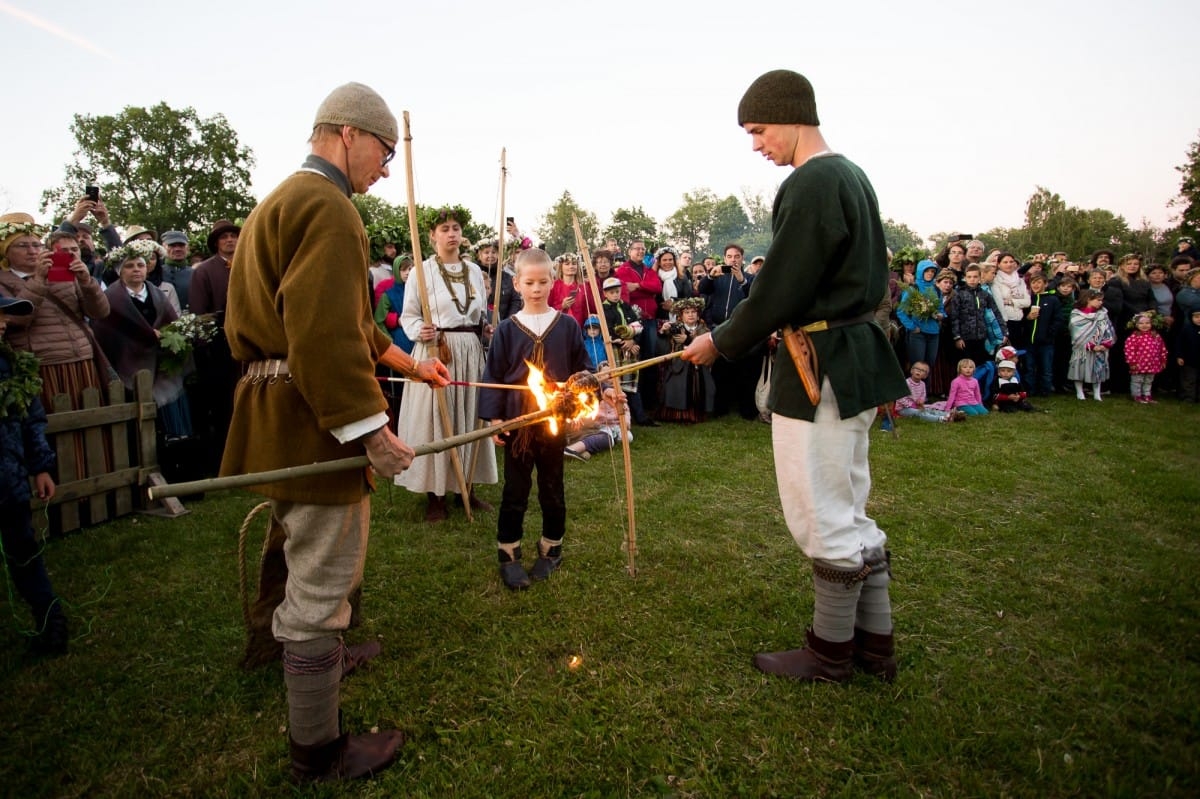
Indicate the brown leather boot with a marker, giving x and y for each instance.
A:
(875, 654)
(358, 655)
(436, 511)
(355, 599)
(347, 757)
(261, 646)
(819, 661)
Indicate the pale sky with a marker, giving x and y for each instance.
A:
(956, 111)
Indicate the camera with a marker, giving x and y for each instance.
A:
(676, 329)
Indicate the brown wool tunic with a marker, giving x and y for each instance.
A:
(298, 290)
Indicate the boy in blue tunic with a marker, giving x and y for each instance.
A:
(552, 342)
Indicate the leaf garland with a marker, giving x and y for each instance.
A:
(18, 389)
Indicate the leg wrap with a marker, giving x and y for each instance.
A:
(312, 671)
(837, 592)
(874, 611)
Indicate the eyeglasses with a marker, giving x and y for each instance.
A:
(29, 245)
(391, 151)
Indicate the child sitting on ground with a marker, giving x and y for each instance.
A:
(1009, 394)
(600, 434)
(914, 404)
(24, 451)
(549, 340)
(964, 391)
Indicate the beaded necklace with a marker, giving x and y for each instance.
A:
(449, 279)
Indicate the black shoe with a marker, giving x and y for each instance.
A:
(647, 423)
(52, 640)
(514, 575)
(544, 567)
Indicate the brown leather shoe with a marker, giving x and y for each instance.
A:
(347, 757)
(875, 654)
(436, 510)
(819, 661)
(358, 655)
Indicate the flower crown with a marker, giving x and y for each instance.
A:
(1157, 320)
(142, 248)
(8, 229)
(688, 302)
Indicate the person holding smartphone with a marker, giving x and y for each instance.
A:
(63, 296)
(569, 294)
(90, 203)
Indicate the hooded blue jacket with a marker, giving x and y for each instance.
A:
(927, 326)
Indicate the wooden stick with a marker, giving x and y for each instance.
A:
(637, 366)
(500, 240)
(499, 278)
(504, 386)
(341, 465)
(427, 316)
(590, 278)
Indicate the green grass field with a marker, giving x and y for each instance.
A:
(1047, 618)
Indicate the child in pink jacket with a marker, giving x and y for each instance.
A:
(964, 391)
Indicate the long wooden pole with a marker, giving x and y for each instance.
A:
(637, 366)
(500, 241)
(340, 465)
(590, 278)
(496, 301)
(427, 316)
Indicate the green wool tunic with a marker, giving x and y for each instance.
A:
(298, 290)
(827, 261)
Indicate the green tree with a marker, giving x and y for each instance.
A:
(691, 223)
(730, 223)
(1188, 200)
(898, 235)
(630, 224)
(384, 222)
(558, 230)
(758, 235)
(158, 167)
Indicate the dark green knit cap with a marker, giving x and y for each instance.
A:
(779, 97)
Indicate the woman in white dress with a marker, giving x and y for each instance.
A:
(458, 318)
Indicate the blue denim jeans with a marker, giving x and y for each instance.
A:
(1039, 368)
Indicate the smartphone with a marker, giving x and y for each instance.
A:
(93, 193)
(60, 267)
(508, 219)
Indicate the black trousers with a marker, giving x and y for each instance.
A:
(542, 452)
(23, 557)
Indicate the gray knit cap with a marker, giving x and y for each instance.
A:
(360, 107)
(779, 97)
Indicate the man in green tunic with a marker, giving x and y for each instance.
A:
(825, 273)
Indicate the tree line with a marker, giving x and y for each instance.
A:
(170, 169)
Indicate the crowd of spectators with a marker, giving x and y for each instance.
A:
(1115, 325)
(1030, 327)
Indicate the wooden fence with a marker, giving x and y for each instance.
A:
(106, 454)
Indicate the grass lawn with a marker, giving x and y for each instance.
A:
(1046, 602)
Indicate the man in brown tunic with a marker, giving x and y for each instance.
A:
(299, 316)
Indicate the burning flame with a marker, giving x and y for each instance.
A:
(570, 406)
